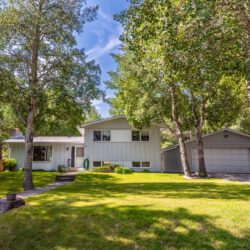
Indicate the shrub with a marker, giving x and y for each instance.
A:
(146, 171)
(61, 168)
(104, 169)
(10, 164)
(122, 170)
(113, 167)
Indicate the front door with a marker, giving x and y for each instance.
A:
(79, 156)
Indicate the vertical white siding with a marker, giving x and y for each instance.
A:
(121, 148)
(61, 152)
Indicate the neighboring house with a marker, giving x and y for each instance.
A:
(106, 141)
(226, 151)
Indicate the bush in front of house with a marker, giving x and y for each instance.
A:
(103, 169)
(61, 168)
(9, 164)
(123, 170)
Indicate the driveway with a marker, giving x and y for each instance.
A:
(233, 177)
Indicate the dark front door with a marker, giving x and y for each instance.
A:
(73, 157)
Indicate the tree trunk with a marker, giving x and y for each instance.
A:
(248, 90)
(1, 157)
(200, 149)
(28, 180)
(183, 151)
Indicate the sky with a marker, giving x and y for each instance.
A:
(101, 38)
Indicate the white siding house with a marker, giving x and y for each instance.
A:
(111, 141)
(106, 141)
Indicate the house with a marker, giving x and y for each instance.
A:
(226, 151)
(105, 141)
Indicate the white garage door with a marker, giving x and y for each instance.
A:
(224, 160)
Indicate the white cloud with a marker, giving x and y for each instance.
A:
(107, 32)
(100, 50)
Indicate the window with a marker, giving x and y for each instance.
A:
(79, 152)
(145, 164)
(135, 135)
(42, 153)
(97, 163)
(144, 136)
(101, 136)
(97, 136)
(140, 135)
(106, 135)
(136, 164)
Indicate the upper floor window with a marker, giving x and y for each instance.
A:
(101, 135)
(42, 153)
(140, 135)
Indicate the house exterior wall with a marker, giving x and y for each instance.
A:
(121, 149)
(171, 160)
(219, 141)
(61, 152)
(213, 141)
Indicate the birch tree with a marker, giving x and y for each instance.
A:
(42, 70)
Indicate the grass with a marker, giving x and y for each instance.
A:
(12, 181)
(138, 211)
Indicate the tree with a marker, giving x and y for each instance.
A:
(176, 55)
(42, 71)
(7, 123)
(93, 115)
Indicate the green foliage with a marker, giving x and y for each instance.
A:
(61, 168)
(183, 48)
(103, 169)
(9, 164)
(123, 170)
(63, 82)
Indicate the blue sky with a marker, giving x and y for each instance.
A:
(101, 38)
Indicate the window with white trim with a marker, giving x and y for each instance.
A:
(42, 153)
(136, 164)
(99, 135)
(143, 164)
(140, 135)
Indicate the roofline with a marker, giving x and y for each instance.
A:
(102, 120)
(22, 140)
(221, 130)
(224, 129)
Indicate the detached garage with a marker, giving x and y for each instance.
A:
(226, 151)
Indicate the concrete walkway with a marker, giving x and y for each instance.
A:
(30, 193)
(233, 177)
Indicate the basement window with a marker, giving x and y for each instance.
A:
(42, 153)
(97, 164)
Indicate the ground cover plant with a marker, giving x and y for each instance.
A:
(12, 181)
(138, 211)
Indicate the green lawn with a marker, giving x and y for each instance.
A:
(138, 211)
(12, 181)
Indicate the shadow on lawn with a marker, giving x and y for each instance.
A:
(101, 185)
(122, 227)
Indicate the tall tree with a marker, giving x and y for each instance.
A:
(172, 47)
(42, 71)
